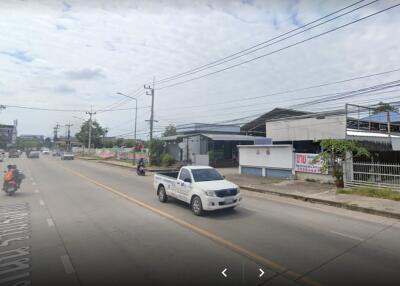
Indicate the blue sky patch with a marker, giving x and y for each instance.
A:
(19, 55)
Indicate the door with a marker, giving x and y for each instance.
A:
(184, 185)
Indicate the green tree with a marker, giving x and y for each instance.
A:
(97, 134)
(119, 142)
(384, 107)
(335, 153)
(130, 143)
(156, 149)
(170, 130)
(25, 144)
(48, 143)
(109, 144)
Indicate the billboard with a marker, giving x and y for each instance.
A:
(305, 162)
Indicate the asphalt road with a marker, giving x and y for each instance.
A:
(84, 223)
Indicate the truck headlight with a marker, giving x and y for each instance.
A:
(210, 193)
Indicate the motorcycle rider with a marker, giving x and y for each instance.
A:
(8, 176)
(140, 164)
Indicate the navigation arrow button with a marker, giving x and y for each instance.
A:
(261, 272)
(223, 273)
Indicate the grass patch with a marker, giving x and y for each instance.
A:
(383, 193)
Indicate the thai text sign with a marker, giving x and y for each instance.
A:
(305, 162)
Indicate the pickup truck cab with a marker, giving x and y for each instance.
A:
(202, 187)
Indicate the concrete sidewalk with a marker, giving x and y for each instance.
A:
(314, 192)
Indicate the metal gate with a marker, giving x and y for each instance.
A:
(372, 174)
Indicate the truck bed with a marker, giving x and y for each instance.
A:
(172, 175)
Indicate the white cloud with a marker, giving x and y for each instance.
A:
(85, 74)
(74, 54)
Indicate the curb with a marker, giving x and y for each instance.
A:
(133, 168)
(326, 202)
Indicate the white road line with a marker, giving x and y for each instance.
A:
(37, 191)
(67, 264)
(31, 178)
(41, 202)
(347, 235)
(50, 222)
(33, 183)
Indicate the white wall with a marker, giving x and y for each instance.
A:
(330, 127)
(268, 156)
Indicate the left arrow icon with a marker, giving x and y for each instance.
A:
(223, 273)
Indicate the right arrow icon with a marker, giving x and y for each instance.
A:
(261, 272)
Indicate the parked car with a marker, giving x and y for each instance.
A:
(202, 187)
(45, 152)
(67, 156)
(33, 154)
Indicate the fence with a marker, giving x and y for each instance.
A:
(372, 174)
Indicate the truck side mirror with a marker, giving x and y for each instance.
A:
(187, 180)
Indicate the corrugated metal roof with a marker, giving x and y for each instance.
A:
(229, 137)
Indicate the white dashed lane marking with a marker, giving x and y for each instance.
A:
(41, 202)
(36, 191)
(347, 235)
(67, 264)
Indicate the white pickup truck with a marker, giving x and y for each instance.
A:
(200, 186)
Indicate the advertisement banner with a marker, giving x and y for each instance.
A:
(304, 162)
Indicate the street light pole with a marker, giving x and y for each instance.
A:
(134, 136)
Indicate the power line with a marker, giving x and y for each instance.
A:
(45, 109)
(263, 45)
(371, 90)
(290, 91)
(281, 49)
(122, 101)
(321, 98)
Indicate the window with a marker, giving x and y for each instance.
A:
(202, 175)
(185, 174)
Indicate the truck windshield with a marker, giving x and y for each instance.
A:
(202, 175)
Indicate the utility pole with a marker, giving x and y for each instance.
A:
(56, 132)
(69, 136)
(91, 113)
(151, 93)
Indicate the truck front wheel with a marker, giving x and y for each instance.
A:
(197, 206)
(162, 195)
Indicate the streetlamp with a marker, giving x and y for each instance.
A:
(134, 147)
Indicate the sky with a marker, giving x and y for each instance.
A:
(77, 55)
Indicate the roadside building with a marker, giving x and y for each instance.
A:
(378, 132)
(256, 127)
(207, 144)
(63, 143)
(8, 135)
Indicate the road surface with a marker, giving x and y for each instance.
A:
(84, 223)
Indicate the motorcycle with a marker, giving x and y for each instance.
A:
(140, 171)
(10, 187)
